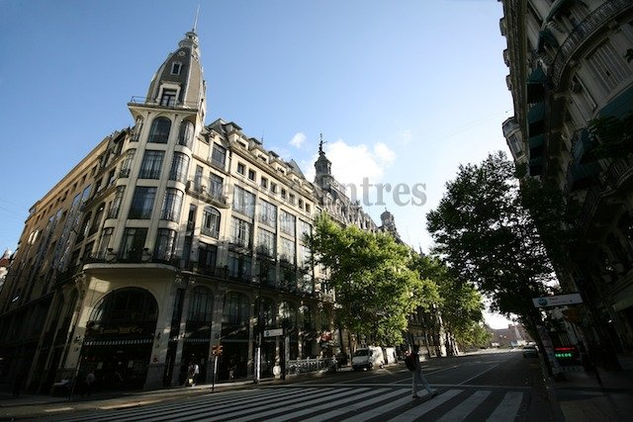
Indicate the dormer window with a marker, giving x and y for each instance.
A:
(175, 68)
(168, 99)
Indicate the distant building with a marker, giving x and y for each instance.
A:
(571, 62)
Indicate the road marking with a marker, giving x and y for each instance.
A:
(425, 407)
(480, 374)
(265, 409)
(378, 411)
(508, 408)
(330, 405)
(465, 408)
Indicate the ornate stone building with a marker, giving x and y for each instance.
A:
(169, 238)
(571, 62)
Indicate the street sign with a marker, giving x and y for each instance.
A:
(274, 332)
(559, 300)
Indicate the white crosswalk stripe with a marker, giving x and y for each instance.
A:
(508, 408)
(314, 403)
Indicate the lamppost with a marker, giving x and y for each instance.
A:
(260, 328)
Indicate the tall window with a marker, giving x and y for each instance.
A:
(142, 202)
(305, 229)
(211, 222)
(239, 266)
(168, 99)
(197, 179)
(608, 66)
(215, 185)
(266, 242)
(96, 222)
(244, 202)
(206, 257)
(127, 163)
(133, 244)
(218, 156)
(287, 222)
(116, 203)
(201, 305)
(159, 132)
(165, 244)
(236, 309)
(241, 233)
(287, 250)
(267, 213)
(171, 205)
(185, 134)
(179, 167)
(151, 165)
(104, 243)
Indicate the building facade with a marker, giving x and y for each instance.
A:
(571, 72)
(171, 237)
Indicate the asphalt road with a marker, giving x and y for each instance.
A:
(488, 386)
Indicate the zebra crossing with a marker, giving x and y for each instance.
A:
(309, 403)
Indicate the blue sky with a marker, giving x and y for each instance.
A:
(403, 91)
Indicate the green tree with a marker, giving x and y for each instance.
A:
(375, 285)
(460, 305)
(484, 234)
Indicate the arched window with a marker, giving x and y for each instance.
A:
(236, 309)
(265, 311)
(201, 305)
(306, 318)
(211, 222)
(129, 305)
(287, 315)
(185, 134)
(159, 132)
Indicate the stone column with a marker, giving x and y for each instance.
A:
(175, 375)
(216, 329)
(156, 367)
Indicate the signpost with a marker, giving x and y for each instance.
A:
(558, 300)
(217, 351)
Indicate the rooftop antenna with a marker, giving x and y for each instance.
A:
(195, 22)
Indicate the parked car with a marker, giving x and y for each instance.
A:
(530, 351)
(368, 358)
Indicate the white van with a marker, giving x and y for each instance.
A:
(368, 358)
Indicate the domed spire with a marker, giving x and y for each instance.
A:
(179, 81)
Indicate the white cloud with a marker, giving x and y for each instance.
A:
(298, 140)
(352, 163)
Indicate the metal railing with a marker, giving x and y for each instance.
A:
(587, 27)
(304, 366)
(178, 104)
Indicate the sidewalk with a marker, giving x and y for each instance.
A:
(31, 406)
(584, 396)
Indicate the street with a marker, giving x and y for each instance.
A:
(499, 386)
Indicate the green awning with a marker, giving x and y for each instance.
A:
(537, 76)
(536, 141)
(536, 113)
(620, 106)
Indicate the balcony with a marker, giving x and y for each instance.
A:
(583, 31)
(146, 102)
(201, 192)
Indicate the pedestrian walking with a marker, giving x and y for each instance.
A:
(89, 382)
(412, 360)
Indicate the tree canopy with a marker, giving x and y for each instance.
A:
(376, 284)
(484, 234)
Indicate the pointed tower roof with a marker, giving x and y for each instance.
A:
(181, 74)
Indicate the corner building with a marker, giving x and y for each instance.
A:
(169, 238)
